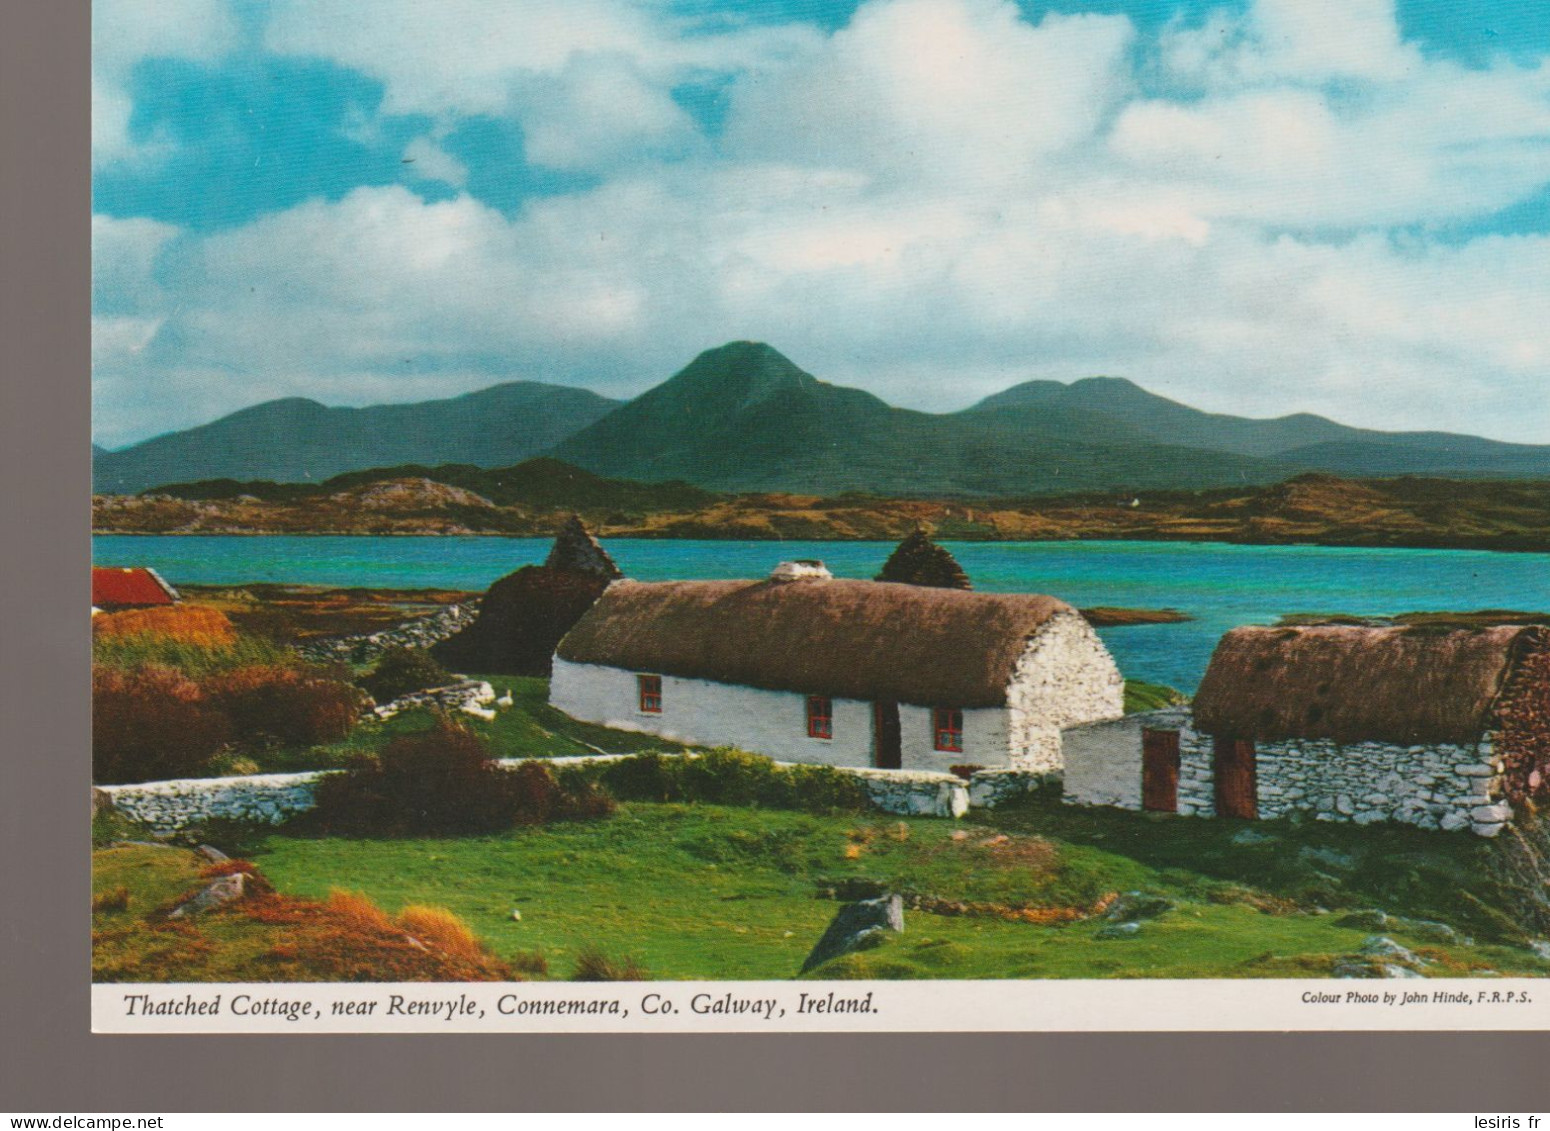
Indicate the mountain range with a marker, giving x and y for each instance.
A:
(743, 417)
(296, 440)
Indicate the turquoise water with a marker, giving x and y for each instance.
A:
(1219, 585)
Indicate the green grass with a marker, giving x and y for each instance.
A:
(194, 660)
(1143, 696)
(711, 892)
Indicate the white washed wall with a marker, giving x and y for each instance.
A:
(985, 741)
(1103, 760)
(704, 713)
(1065, 677)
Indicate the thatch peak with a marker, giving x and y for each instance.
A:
(1356, 684)
(919, 561)
(850, 639)
(575, 550)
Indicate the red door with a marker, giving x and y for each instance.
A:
(887, 737)
(1160, 770)
(1236, 780)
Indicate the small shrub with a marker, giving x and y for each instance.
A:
(725, 776)
(594, 966)
(402, 670)
(529, 962)
(824, 789)
(231, 764)
(108, 901)
(441, 929)
(733, 777)
(287, 706)
(232, 835)
(152, 724)
(442, 781)
(186, 624)
(645, 777)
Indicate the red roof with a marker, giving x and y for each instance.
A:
(114, 587)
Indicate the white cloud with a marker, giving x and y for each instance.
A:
(126, 32)
(962, 92)
(1305, 41)
(934, 202)
(433, 163)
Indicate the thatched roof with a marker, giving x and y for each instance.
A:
(1397, 685)
(866, 640)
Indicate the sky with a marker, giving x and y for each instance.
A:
(1254, 206)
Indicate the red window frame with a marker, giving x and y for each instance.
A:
(649, 688)
(947, 729)
(820, 716)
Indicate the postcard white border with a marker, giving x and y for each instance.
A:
(1123, 1005)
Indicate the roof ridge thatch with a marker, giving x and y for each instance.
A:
(575, 550)
(866, 640)
(1354, 684)
(918, 560)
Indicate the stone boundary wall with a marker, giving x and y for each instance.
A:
(421, 632)
(170, 806)
(1444, 787)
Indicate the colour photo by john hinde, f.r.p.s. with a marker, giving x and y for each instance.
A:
(853, 502)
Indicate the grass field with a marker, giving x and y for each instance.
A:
(720, 893)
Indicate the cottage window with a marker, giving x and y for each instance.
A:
(948, 729)
(650, 688)
(820, 716)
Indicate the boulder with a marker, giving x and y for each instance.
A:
(855, 926)
(1384, 950)
(219, 892)
(210, 853)
(1119, 931)
(1135, 905)
(1366, 920)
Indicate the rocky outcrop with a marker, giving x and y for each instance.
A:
(855, 927)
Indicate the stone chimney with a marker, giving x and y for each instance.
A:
(807, 569)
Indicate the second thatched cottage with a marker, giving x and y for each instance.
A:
(807, 668)
(1440, 729)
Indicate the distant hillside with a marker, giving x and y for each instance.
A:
(1308, 442)
(299, 440)
(744, 418)
(452, 498)
(533, 498)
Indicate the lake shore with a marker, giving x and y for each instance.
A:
(1316, 510)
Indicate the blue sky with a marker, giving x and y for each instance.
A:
(1262, 206)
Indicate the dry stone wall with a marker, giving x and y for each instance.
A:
(421, 632)
(171, 806)
(1445, 787)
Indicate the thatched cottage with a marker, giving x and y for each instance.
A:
(807, 668)
(1439, 729)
